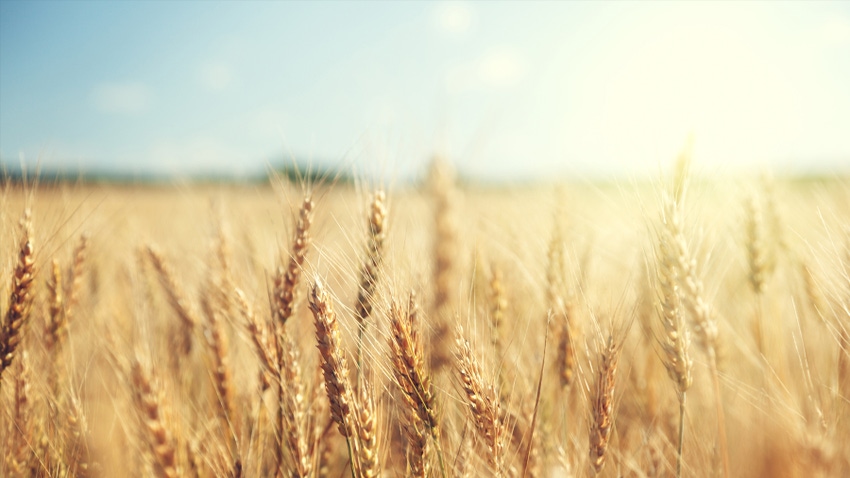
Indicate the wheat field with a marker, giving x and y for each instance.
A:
(686, 326)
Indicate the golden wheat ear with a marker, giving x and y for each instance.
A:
(602, 404)
(675, 336)
(444, 262)
(220, 368)
(483, 402)
(335, 368)
(413, 378)
(371, 267)
(292, 402)
(75, 282)
(366, 421)
(409, 369)
(176, 297)
(334, 363)
(374, 256)
(285, 282)
(18, 442)
(700, 312)
(20, 300)
(148, 401)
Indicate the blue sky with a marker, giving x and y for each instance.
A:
(505, 90)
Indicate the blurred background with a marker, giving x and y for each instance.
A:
(506, 91)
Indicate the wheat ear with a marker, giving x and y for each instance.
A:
(294, 406)
(483, 402)
(700, 311)
(414, 380)
(367, 424)
(334, 366)
(444, 254)
(602, 404)
(675, 341)
(18, 453)
(20, 300)
(445, 234)
(263, 345)
(77, 446)
(56, 328)
(148, 402)
(75, 282)
(758, 263)
(498, 307)
(222, 374)
(418, 447)
(176, 297)
(285, 290)
(371, 266)
(409, 368)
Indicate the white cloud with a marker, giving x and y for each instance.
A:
(122, 98)
(216, 76)
(453, 17)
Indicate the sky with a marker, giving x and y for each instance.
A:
(503, 90)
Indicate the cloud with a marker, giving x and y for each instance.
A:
(216, 76)
(122, 98)
(497, 68)
(453, 18)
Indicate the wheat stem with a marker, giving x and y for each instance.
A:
(681, 434)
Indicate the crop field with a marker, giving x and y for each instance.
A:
(686, 326)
